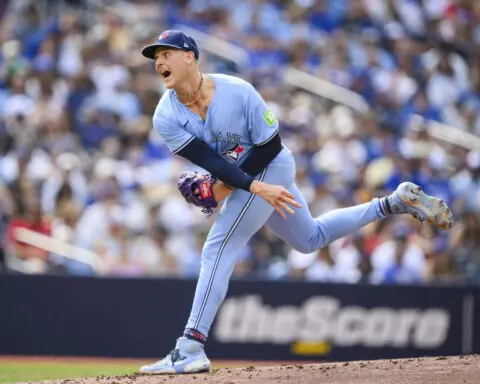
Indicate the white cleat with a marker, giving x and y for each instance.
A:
(187, 357)
(409, 198)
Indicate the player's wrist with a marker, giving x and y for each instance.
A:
(223, 185)
(256, 187)
(221, 190)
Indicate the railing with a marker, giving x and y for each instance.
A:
(453, 135)
(326, 89)
(60, 248)
(217, 46)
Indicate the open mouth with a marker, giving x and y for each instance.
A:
(165, 74)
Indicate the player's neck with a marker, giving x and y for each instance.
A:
(191, 86)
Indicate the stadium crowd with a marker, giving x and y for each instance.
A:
(80, 163)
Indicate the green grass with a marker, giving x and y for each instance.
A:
(13, 371)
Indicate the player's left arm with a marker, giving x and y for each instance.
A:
(258, 158)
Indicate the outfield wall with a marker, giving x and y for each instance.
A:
(48, 315)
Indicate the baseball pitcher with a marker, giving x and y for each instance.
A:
(222, 124)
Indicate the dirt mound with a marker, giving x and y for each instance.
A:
(451, 370)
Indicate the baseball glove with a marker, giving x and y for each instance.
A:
(198, 190)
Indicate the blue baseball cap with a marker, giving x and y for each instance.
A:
(174, 39)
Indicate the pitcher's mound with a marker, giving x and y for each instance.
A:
(431, 370)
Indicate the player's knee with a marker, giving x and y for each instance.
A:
(313, 242)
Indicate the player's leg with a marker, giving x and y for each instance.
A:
(307, 234)
(242, 215)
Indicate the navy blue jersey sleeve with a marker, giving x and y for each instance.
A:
(260, 156)
(202, 155)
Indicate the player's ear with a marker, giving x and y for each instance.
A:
(189, 57)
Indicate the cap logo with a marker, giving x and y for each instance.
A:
(163, 35)
(185, 45)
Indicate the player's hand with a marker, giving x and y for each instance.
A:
(277, 196)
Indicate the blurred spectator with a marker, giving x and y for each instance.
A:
(151, 252)
(7, 213)
(21, 255)
(399, 260)
(466, 244)
(442, 267)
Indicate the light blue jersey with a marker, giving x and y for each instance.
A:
(237, 120)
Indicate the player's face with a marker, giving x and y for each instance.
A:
(171, 65)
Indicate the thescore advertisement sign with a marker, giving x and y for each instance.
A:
(344, 322)
(323, 319)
